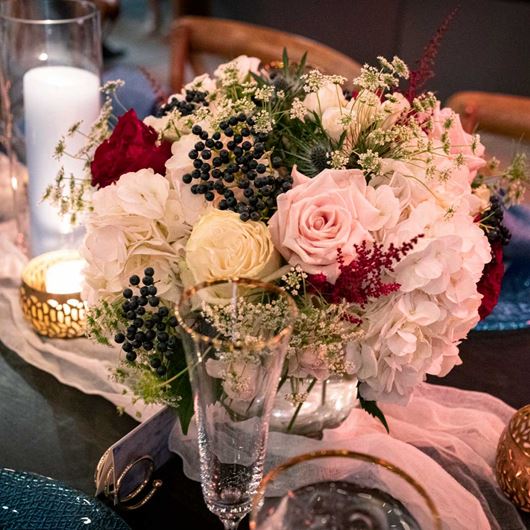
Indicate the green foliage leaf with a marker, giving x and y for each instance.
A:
(285, 60)
(301, 65)
(182, 388)
(372, 408)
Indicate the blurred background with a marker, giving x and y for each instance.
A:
(487, 46)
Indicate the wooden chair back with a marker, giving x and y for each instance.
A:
(193, 36)
(496, 113)
(503, 121)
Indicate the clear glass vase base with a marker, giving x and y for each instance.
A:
(327, 405)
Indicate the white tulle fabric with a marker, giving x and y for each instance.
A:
(445, 438)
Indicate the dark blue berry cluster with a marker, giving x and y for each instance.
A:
(227, 164)
(151, 328)
(496, 231)
(193, 99)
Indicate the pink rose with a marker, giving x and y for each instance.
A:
(320, 215)
(461, 142)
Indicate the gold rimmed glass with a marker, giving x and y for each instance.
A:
(235, 335)
(340, 489)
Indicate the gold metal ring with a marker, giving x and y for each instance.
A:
(111, 489)
(156, 485)
(140, 487)
(99, 467)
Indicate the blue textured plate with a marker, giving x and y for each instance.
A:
(513, 309)
(34, 502)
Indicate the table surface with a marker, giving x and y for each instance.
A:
(57, 431)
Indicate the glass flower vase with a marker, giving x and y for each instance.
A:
(326, 405)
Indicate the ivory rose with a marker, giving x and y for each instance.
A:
(352, 116)
(329, 96)
(332, 122)
(330, 104)
(240, 66)
(223, 246)
(393, 109)
(320, 215)
(366, 108)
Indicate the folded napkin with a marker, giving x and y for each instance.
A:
(517, 219)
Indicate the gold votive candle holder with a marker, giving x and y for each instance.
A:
(513, 459)
(59, 314)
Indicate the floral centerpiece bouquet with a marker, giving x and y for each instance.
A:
(370, 207)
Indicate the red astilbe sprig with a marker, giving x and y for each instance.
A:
(425, 65)
(362, 279)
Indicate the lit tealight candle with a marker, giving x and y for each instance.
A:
(50, 294)
(65, 277)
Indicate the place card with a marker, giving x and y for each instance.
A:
(124, 471)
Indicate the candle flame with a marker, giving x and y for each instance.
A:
(65, 277)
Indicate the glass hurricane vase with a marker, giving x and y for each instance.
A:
(50, 59)
(235, 335)
(326, 405)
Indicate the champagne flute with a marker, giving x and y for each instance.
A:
(235, 335)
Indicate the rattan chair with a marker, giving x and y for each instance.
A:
(193, 37)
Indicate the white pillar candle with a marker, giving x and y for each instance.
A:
(55, 97)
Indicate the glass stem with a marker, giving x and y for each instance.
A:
(230, 524)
